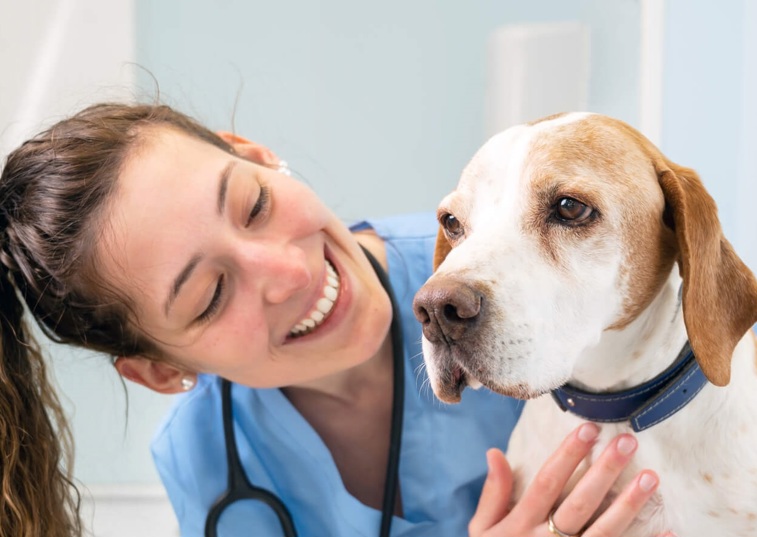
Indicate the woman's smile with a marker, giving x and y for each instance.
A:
(323, 305)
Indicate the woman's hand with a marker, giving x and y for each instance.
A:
(529, 517)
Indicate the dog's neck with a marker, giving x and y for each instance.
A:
(639, 351)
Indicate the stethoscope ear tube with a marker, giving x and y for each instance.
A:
(239, 488)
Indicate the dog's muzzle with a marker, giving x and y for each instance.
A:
(451, 314)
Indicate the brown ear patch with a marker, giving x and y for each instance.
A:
(719, 290)
(442, 248)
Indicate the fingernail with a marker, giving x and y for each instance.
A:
(489, 462)
(626, 444)
(647, 482)
(588, 432)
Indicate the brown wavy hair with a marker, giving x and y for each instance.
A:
(54, 190)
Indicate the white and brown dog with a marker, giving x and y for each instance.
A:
(557, 282)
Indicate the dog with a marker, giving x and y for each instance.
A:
(575, 262)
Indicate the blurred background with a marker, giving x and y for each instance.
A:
(378, 106)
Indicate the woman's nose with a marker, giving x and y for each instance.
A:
(288, 272)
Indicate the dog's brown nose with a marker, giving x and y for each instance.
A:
(447, 310)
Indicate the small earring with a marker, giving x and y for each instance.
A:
(284, 168)
(187, 383)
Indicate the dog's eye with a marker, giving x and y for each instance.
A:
(452, 226)
(572, 211)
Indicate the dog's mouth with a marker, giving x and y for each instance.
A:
(455, 377)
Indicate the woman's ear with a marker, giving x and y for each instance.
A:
(157, 376)
(251, 151)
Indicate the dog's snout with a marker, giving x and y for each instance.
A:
(447, 310)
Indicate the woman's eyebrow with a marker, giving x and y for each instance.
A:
(186, 272)
(181, 278)
(223, 185)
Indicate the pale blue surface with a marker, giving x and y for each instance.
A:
(443, 449)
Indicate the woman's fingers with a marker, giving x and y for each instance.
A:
(546, 487)
(495, 496)
(626, 506)
(528, 518)
(582, 502)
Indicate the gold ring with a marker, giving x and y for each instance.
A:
(553, 529)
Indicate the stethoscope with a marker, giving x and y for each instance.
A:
(239, 487)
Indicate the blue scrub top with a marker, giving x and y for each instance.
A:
(442, 465)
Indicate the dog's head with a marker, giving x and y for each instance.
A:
(559, 231)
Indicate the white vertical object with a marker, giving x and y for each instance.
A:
(651, 69)
(60, 56)
(534, 70)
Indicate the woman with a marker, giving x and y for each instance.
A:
(190, 257)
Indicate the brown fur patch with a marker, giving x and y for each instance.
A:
(598, 164)
(441, 249)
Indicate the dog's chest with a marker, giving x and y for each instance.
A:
(703, 491)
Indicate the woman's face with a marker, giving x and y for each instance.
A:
(238, 270)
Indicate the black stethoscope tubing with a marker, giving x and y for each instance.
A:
(239, 487)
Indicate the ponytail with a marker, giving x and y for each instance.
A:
(54, 188)
(37, 497)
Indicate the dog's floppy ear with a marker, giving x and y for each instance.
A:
(441, 249)
(719, 291)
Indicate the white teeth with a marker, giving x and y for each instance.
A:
(322, 307)
(330, 293)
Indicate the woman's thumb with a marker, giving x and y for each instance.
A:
(495, 496)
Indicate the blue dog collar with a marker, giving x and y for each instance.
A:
(644, 405)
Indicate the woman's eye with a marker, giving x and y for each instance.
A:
(452, 226)
(215, 301)
(260, 204)
(572, 212)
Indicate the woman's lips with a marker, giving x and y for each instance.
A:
(323, 306)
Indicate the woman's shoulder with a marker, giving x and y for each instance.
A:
(422, 225)
(191, 414)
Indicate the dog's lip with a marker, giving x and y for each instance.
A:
(451, 384)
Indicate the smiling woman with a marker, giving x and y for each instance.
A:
(200, 267)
